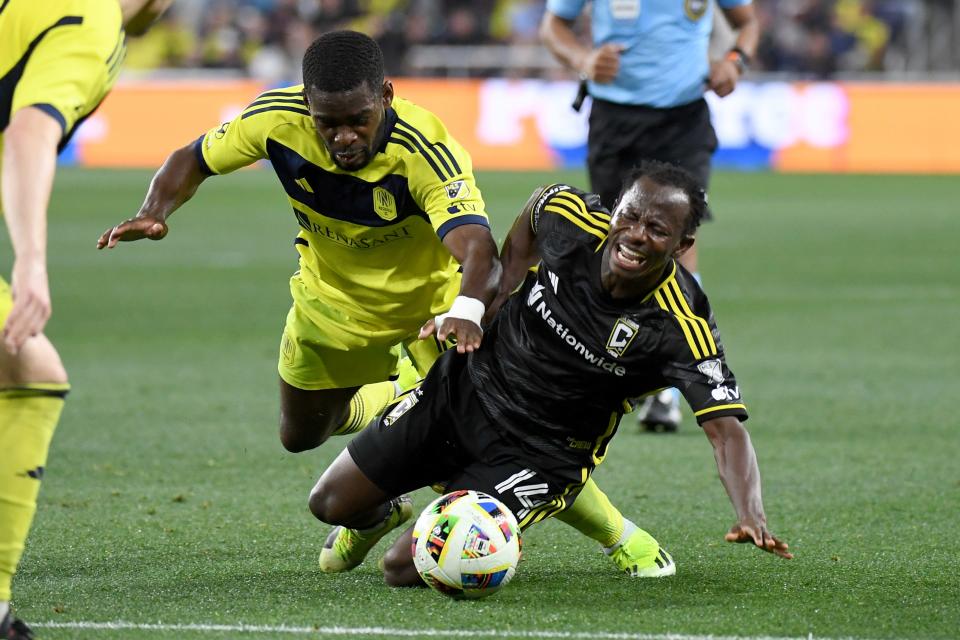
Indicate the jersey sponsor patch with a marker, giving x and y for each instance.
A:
(384, 204)
(538, 303)
(457, 190)
(728, 394)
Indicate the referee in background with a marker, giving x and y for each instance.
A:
(647, 71)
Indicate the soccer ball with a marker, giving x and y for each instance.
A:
(466, 544)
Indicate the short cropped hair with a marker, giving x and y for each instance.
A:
(341, 61)
(670, 175)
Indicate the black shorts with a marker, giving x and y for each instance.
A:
(621, 136)
(439, 434)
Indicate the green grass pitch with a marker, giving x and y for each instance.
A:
(169, 500)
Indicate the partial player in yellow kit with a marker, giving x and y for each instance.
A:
(58, 61)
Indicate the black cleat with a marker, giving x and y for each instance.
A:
(660, 413)
(14, 629)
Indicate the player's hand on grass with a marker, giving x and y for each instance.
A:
(468, 333)
(31, 303)
(758, 534)
(133, 229)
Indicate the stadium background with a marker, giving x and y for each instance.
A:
(846, 86)
(170, 509)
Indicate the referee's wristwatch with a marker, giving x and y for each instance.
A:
(740, 59)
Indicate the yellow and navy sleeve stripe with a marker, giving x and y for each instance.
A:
(695, 329)
(437, 154)
(290, 99)
(571, 207)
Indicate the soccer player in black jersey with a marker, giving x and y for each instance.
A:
(604, 313)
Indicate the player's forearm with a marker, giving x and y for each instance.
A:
(481, 270)
(519, 252)
(174, 184)
(743, 19)
(558, 36)
(29, 164)
(739, 472)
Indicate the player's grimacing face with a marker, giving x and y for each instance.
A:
(350, 123)
(647, 229)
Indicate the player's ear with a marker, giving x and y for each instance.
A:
(685, 243)
(306, 98)
(387, 93)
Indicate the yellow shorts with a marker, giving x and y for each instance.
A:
(324, 348)
(6, 301)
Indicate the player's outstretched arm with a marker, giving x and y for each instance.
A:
(473, 247)
(740, 475)
(518, 254)
(29, 162)
(174, 184)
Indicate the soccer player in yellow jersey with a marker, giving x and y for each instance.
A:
(394, 245)
(58, 60)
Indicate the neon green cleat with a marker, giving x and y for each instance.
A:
(345, 548)
(639, 555)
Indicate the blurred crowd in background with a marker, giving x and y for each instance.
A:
(265, 39)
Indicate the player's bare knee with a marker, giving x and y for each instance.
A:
(294, 441)
(37, 362)
(326, 505)
(297, 436)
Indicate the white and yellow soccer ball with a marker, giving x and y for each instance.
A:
(466, 544)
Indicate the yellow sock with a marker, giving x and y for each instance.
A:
(593, 515)
(366, 404)
(372, 399)
(28, 417)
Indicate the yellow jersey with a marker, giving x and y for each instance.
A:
(60, 56)
(370, 241)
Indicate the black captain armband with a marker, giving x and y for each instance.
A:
(739, 58)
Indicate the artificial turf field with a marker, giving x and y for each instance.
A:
(170, 510)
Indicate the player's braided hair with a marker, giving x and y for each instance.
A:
(671, 175)
(342, 60)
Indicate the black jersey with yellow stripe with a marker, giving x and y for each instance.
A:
(562, 357)
(59, 56)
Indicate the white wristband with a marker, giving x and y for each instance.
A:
(464, 308)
